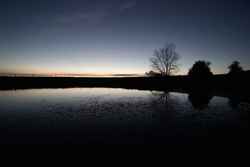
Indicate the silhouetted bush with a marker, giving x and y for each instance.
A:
(200, 70)
(235, 68)
(153, 74)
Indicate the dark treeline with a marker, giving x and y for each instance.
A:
(223, 81)
(226, 85)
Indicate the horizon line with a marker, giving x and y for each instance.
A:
(84, 75)
(70, 75)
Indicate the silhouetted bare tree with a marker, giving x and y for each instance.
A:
(235, 68)
(164, 60)
(200, 69)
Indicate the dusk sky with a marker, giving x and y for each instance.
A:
(119, 36)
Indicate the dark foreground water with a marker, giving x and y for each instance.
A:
(102, 115)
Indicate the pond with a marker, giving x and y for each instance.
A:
(110, 116)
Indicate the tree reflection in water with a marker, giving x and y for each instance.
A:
(162, 97)
(164, 107)
(200, 99)
(234, 102)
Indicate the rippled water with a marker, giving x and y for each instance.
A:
(102, 115)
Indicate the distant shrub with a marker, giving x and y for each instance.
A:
(152, 74)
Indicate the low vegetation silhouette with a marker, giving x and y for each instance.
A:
(153, 74)
(164, 61)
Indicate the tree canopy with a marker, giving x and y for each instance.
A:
(235, 68)
(200, 69)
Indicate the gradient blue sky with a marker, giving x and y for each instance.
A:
(119, 36)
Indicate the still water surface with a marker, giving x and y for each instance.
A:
(104, 115)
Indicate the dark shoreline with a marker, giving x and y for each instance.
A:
(218, 85)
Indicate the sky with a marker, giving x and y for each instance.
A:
(119, 36)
